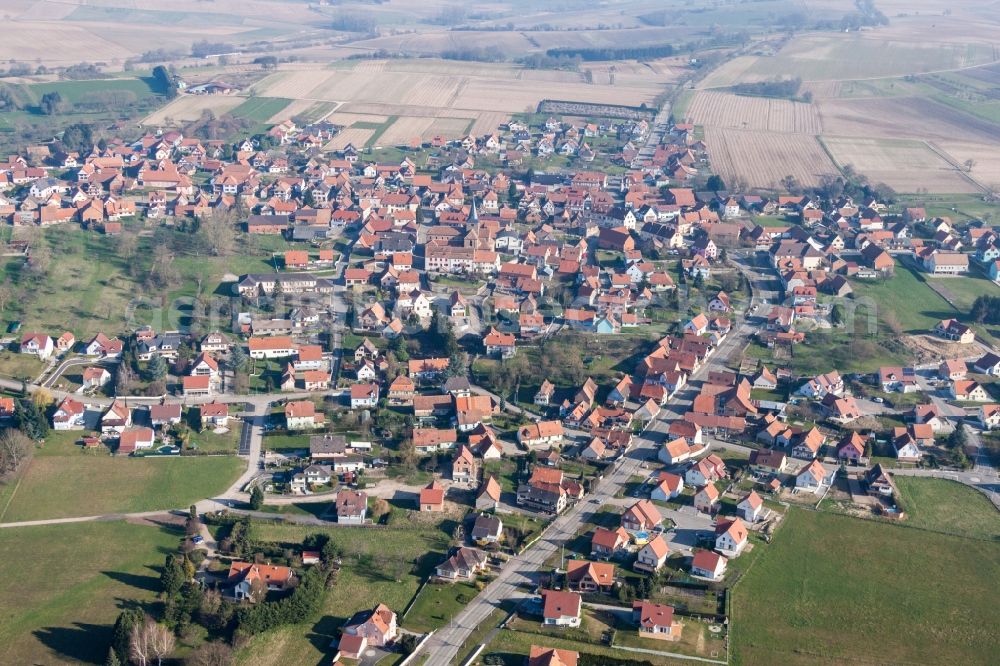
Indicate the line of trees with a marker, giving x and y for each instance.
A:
(774, 88)
(615, 53)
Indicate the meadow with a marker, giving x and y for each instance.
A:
(833, 589)
(906, 297)
(92, 287)
(61, 608)
(947, 506)
(88, 484)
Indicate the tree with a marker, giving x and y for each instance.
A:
(165, 81)
(958, 438)
(112, 658)
(150, 641)
(51, 103)
(238, 358)
(217, 233)
(78, 137)
(256, 498)
(29, 419)
(715, 184)
(157, 368)
(215, 653)
(126, 245)
(173, 576)
(15, 450)
(837, 314)
(122, 632)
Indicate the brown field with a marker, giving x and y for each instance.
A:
(985, 157)
(450, 127)
(189, 107)
(762, 159)
(905, 166)
(904, 117)
(72, 31)
(359, 137)
(714, 109)
(348, 119)
(730, 73)
(404, 129)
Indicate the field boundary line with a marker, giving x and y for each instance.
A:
(10, 499)
(940, 152)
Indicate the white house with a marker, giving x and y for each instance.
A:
(750, 507)
(731, 537)
(561, 608)
(38, 344)
(813, 478)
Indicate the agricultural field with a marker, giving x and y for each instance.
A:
(439, 97)
(66, 33)
(62, 608)
(260, 109)
(714, 109)
(825, 572)
(762, 159)
(190, 107)
(872, 54)
(903, 165)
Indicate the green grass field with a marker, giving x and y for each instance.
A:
(380, 566)
(962, 291)
(436, 605)
(260, 109)
(62, 607)
(832, 590)
(57, 486)
(915, 305)
(948, 506)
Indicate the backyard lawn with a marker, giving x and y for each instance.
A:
(825, 573)
(948, 506)
(380, 566)
(436, 605)
(62, 608)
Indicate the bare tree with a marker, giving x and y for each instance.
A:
(16, 448)
(149, 641)
(127, 246)
(162, 642)
(139, 649)
(215, 653)
(217, 234)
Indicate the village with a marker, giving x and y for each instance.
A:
(603, 357)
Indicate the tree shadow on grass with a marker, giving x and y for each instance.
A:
(138, 581)
(81, 642)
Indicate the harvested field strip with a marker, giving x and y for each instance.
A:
(762, 159)
(903, 165)
(357, 137)
(190, 107)
(716, 109)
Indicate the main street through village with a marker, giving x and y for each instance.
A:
(519, 575)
